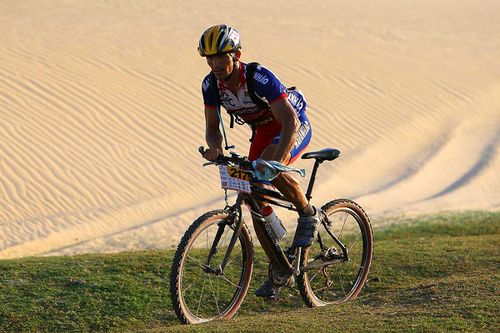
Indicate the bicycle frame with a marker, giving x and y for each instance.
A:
(219, 245)
(269, 243)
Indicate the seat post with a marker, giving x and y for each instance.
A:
(312, 179)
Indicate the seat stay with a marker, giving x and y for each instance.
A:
(345, 251)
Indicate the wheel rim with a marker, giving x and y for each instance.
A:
(341, 280)
(207, 296)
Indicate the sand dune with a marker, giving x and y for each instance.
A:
(101, 113)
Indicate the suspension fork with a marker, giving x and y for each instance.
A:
(234, 213)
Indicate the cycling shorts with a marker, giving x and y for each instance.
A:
(269, 134)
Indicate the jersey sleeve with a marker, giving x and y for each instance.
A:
(206, 90)
(267, 85)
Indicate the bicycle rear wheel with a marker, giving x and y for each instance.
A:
(198, 292)
(328, 275)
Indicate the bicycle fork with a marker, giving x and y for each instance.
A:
(234, 213)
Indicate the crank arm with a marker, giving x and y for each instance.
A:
(319, 265)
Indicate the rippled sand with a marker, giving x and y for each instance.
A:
(101, 113)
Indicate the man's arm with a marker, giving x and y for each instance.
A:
(285, 115)
(213, 135)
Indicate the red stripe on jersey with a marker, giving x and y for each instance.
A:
(283, 95)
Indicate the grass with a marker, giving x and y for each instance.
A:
(434, 274)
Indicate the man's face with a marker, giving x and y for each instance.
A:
(221, 65)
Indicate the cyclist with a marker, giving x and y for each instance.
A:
(280, 131)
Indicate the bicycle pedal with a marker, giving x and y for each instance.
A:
(275, 298)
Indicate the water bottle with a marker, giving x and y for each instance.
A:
(274, 221)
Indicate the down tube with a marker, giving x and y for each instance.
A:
(267, 240)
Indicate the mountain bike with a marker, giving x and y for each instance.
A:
(213, 264)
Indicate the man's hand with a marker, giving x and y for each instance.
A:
(211, 154)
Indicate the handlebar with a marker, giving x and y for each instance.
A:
(261, 169)
(234, 159)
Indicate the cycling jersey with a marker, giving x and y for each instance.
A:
(267, 86)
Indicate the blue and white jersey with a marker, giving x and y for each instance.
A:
(265, 84)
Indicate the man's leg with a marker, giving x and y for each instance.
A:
(290, 187)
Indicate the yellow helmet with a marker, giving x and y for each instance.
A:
(219, 39)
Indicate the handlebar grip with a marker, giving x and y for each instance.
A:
(202, 151)
(234, 158)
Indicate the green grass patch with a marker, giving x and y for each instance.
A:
(435, 274)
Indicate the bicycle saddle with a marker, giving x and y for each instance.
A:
(327, 154)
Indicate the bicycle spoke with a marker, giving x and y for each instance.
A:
(201, 296)
(352, 245)
(224, 238)
(231, 259)
(232, 283)
(196, 261)
(342, 284)
(339, 279)
(188, 287)
(343, 224)
(216, 298)
(217, 292)
(314, 276)
(204, 292)
(206, 233)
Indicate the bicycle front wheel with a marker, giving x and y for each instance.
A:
(199, 291)
(330, 273)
